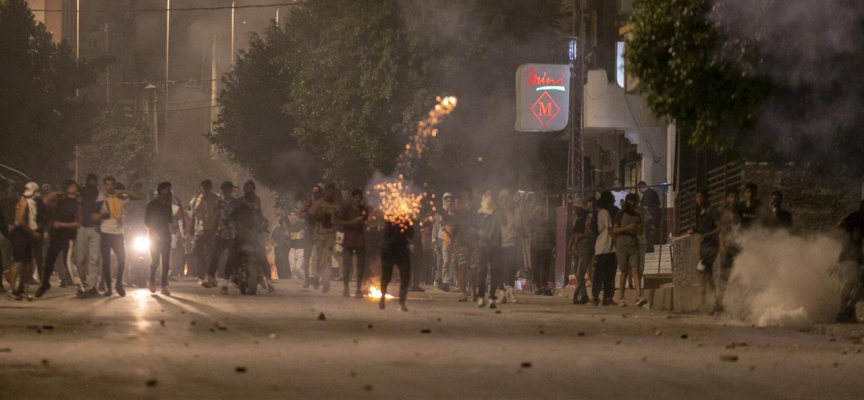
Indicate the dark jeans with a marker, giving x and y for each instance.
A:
(221, 257)
(203, 252)
(605, 267)
(402, 260)
(360, 252)
(280, 258)
(509, 257)
(160, 246)
(541, 260)
(55, 248)
(108, 243)
(490, 262)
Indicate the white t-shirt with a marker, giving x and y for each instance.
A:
(111, 226)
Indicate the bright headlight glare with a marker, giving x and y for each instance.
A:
(141, 244)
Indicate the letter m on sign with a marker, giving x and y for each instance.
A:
(545, 109)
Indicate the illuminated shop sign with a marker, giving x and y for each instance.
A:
(542, 93)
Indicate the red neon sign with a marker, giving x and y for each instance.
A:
(534, 79)
(545, 109)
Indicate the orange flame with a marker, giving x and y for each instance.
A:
(375, 293)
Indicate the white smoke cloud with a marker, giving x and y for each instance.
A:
(784, 280)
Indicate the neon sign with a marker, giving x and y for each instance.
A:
(543, 98)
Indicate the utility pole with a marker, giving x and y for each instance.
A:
(107, 70)
(167, 58)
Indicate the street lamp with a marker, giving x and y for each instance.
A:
(151, 90)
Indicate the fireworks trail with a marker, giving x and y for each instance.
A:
(399, 201)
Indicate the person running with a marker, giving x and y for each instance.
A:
(605, 263)
(352, 218)
(64, 230)
(323, 212)
(708, 228)
(396, 251)
(158, 220)
(851, 264)
(87, 249)
(22, 238)
(112, 205)
(296, 230)
(730, 224)
(582, 249)
(205, 222)
(488, 222)
(626, 227)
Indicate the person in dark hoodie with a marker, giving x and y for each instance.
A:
(251, 232)
(63, 228)
(396, 251)
(158, 220)
(488, 223)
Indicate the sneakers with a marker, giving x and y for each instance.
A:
(381, 304)
(402, 307)
(445, 287)
(640, 302)
(609, 302)
(492, 304)
(306, 283)
(595, 302)
(622, 303)
(210, 283)
(120, 290)
(165, 291)
(548, 292)
(481, 302)
(14, 296)
(511, 295)
(152, 286)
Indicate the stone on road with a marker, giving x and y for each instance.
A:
(198, 344)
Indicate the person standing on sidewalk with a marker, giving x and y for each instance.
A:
(626, 227)
(158, 220)
(709, 243)
(87, 250)
(582, 249)
(605, 263)
(323, 212)
(352, 217)
(111, 206)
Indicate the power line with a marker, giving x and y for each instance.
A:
(178, 9)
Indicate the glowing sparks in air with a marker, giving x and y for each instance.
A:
(375, 293)
(399, 202)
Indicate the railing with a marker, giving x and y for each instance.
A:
(717, 180)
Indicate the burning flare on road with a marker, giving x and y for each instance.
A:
(375, 293)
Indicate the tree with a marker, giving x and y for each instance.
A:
(120, 146)
(41, 120)
(691, 73)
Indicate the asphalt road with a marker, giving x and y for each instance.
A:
(198, 344)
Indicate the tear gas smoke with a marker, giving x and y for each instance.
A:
(784, 280)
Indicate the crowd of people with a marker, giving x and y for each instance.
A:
(485, 246)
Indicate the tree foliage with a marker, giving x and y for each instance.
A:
(41, 120)
(339, 86)
(691, 73)
(120, 146)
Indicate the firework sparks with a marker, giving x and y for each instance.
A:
(375, 293)
(399, 202)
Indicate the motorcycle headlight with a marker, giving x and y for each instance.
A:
(141, 244)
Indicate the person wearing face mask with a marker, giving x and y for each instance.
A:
(158, 218)
(66, 211)
(23, 240)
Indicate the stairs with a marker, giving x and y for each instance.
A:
(659, 262)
